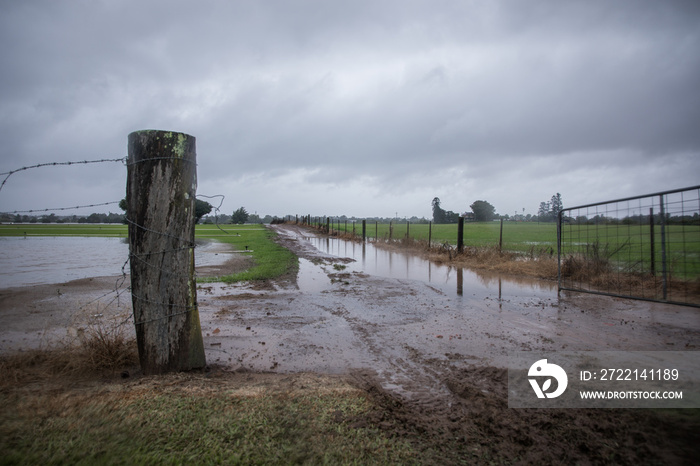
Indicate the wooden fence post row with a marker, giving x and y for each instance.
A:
(160, 195)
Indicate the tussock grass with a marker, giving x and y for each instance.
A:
(100, 347)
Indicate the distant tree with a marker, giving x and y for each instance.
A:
(201, 208)
(239, 216)
(222, 219)
(438, 212)
(555, 206)
(549, 211)
(483, 211)
(451, 217)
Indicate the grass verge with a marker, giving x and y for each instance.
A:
(271, 260)
(202, 418)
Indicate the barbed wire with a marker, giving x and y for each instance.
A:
(55, 209)
(54, 164)
(108, 299)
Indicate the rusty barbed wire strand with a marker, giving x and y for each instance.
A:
(54, 164)
(62, 208)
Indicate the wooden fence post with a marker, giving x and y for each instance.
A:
(364, 230)
(460, 235)
(500, 238)
(160, 194)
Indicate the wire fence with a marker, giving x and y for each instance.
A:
(525, 238)
(161, 249)
(102, 304)
(645, 247)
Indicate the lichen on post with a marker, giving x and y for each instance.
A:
(161, 188)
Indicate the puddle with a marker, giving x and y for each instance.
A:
(450, 280)
(45, 260)
(311, 277)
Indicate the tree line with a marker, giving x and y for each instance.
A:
(53, 218)
(483, 211)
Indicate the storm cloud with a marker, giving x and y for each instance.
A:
(360, 108)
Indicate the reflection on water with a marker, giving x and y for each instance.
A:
(311, 278)
(392, 264)
(42, 260)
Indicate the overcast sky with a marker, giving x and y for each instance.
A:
(364, 108)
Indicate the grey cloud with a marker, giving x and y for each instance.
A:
(388, 90)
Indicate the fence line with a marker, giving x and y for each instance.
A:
(644, 247)
(531, 238)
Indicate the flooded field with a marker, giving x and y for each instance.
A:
(433, 342)
(361, 307)
(28, 261)
(354, 306)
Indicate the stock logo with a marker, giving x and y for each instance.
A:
(542, 369)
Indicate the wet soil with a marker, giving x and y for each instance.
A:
(433, 360)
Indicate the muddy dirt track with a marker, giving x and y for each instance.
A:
(434, 361)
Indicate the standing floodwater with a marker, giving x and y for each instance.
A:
(452, 280)
(43, 260)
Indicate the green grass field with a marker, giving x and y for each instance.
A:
(271, 259)
(629, 247)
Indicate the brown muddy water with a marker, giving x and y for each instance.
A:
(355, 307)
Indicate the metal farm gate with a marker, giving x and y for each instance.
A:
(645, 247)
